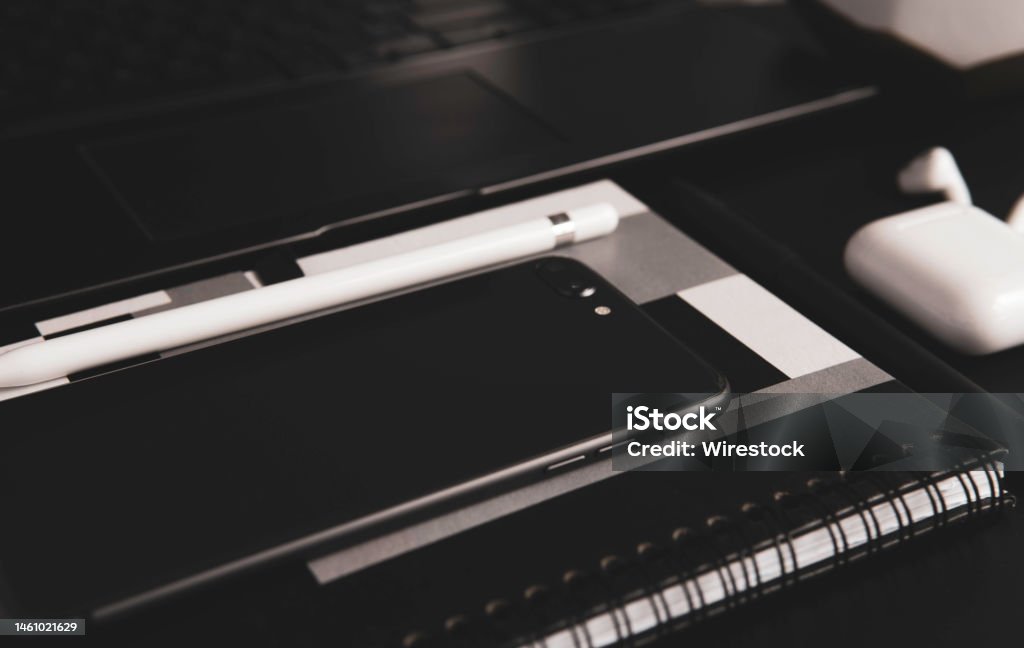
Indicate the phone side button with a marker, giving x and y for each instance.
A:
(611, 447)
(567, 462)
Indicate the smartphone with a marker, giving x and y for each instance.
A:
(148, 480)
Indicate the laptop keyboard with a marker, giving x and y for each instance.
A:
(63, 56)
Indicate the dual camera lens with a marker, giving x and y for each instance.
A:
(567, 278)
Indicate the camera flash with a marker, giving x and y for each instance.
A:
(603, 310)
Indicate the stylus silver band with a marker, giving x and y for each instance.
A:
(564, 229)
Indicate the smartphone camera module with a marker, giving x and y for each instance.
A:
(568, 279)
(582, 290)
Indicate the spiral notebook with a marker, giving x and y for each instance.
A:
(735, 569)
(670, 557)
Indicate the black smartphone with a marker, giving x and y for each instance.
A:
(141, 482)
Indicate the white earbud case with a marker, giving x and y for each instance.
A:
(955, 270)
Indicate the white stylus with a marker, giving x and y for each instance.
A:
(50, 359)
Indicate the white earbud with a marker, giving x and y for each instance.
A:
(935, 170)
(1016, 217)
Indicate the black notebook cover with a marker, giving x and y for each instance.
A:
(539, 573)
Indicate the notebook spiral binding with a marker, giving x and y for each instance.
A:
(835, 519)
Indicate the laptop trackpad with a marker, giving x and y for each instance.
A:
(279, 163)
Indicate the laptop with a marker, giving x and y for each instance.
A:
(143, 137)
